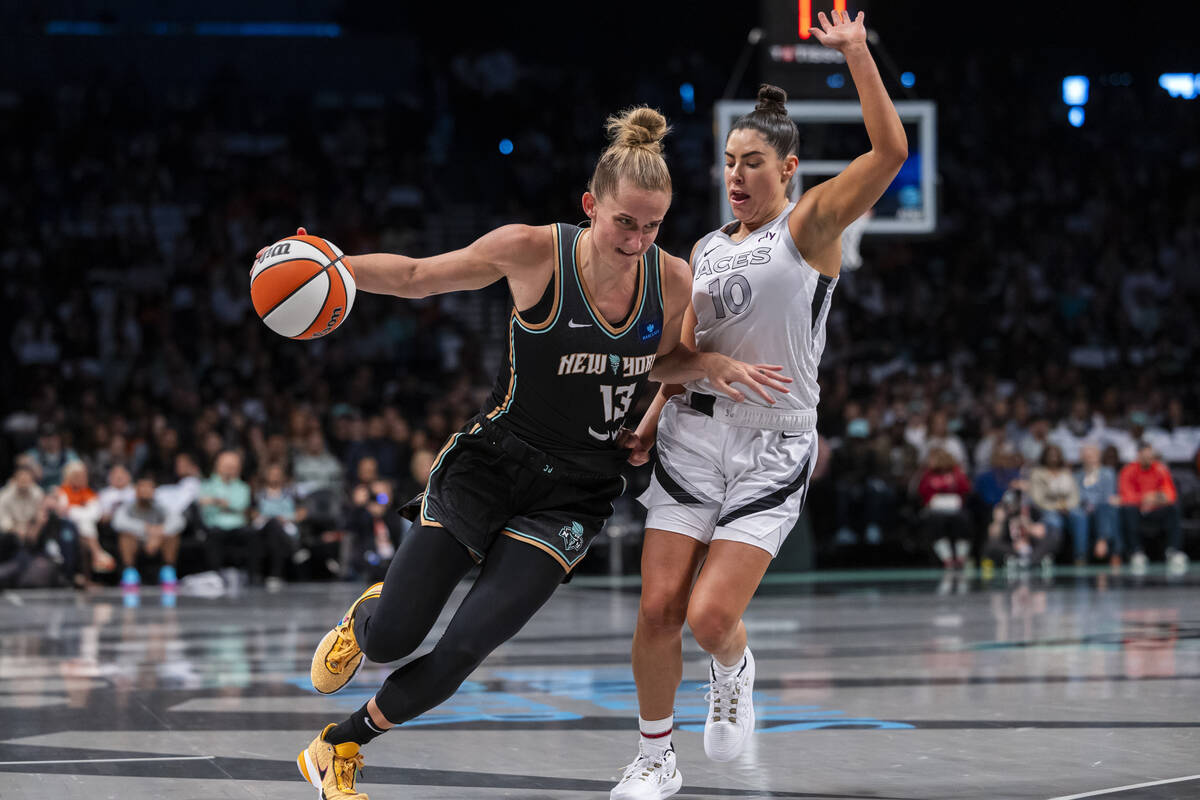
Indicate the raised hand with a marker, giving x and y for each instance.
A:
(843, 32)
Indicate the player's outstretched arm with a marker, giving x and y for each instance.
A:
(511, 251)
(507, 252)
(847, 196)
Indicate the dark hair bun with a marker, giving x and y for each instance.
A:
(771, 100)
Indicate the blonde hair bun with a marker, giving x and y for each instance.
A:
(641, 127)
(634, 152)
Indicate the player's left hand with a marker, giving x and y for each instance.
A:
(842, 33)
(639, 449)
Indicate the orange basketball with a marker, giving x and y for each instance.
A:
(302, 287)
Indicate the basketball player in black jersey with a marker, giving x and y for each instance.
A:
(528, 483)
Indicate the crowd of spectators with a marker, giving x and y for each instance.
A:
(147, 408)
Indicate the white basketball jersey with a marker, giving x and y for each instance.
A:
(759, 301)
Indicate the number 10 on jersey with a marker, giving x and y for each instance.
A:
(734, 295)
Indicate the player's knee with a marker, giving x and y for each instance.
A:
(661, 614)
(459, 659)
(711, 625)
(381, 645)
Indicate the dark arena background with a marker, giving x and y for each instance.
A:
(1025, 292)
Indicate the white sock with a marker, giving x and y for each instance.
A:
(656, 735)
(942, 548)
(724, 673)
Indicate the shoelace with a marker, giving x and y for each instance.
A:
(341, 651)
(716, 695)
(347, 770)
(642, 767)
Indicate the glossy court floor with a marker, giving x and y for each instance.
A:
(870, 685)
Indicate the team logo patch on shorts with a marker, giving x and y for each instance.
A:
(572, 536)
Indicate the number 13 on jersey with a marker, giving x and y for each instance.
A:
(616, 401)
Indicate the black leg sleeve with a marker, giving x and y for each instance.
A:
(423, 573)
(516, 580)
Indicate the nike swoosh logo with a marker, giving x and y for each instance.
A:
(792, 436)
(709, 250)
(573, 324)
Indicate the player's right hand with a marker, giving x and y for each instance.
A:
(722, 372)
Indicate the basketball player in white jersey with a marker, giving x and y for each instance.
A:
(730, 478)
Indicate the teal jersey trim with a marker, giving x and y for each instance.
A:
(567, 559)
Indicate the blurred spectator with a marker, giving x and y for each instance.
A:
(276, 513)
(35, 550)
(146, 525)
(1098, 503)
(315, 468)
(1005, 468)
(22, 517)
(224, 509)
(22, 507)
(1035, 440)
(160, 461)
(1148, 497)
(1078, 427)
(943, 489)
(1175, 441)
(77, 503)
(179, 494)
(1055, 495)
(376, 528)
(1015, 538)
(119, 490)
(900, 459)
(419, 468)
(366, 471)
(1109, 457)
(377, 446)
(115, 453)
(983, 456)
(863, 497)
(939, 436)
(50, 457)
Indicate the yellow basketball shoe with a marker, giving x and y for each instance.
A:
(333, 769)
(338, 656)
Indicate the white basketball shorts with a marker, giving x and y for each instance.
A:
(713, 480)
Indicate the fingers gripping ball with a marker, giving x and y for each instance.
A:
(302, 287)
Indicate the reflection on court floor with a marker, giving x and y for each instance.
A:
(870, 685)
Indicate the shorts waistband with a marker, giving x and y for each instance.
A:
(533, 458)
(744, 415)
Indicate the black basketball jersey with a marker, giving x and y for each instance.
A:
(571, 376)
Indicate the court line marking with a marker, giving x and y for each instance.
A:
(1123, 788)
(106, 760)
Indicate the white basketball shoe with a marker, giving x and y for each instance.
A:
(730, 711)
(649, 777)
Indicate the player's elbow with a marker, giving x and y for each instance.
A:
(894, 154)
